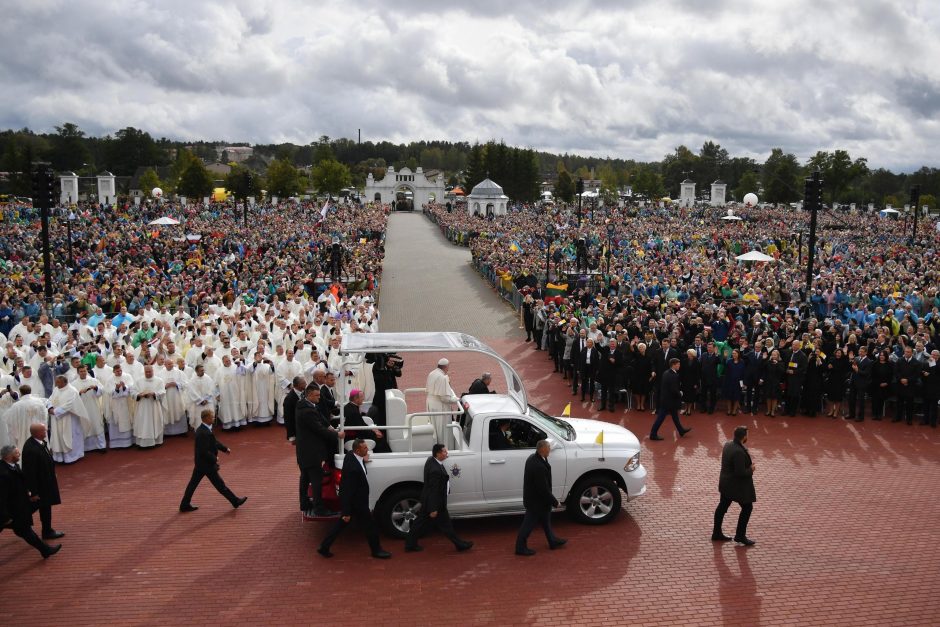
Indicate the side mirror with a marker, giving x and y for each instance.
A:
(555, 444)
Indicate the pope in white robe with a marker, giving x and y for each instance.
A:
(263, 383)
(201, 393)
(28, 410)
(176, 399)
(441, 397)
(68, 422)
(119, 406)
(90, 390)
(149, 416)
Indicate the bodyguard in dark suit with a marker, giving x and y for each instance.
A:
(434, 503)
(735, 484)
(796, 375)
(859, 382)
(315, 445)
(354, 498)
(16, 504)
(207, 465)
(709, 389)
(290, 406)
(481, 385)
(907, 374)
(587, 367)
(538, 500)
(608, 374)
(670, 399)
(39, 472)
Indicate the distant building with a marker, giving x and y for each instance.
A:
(235, 154)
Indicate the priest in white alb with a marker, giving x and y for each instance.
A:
(149, 416)
(201, 392)
(29, 409)
(440, 397)
(284, 374)
(262, 377)
(176, 400)
(119, 406)
(91, 390)
(68, 421)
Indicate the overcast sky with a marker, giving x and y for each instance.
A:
(624, 78)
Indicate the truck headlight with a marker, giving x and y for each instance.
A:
(633, 463)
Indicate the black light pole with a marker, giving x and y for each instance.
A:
(580, 192)
(915, 200)
(68, 230)
(812, 193)
(44, 199)
(549, 238)
(610, 233)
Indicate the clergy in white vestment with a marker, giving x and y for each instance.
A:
(119, 406)
(132, 366)
(440, 397)
(8, 393)
(211, 363)
(29, 409)
(90, 390)
(149, 416)
(28, 376)
(285, 373)
(228, 380)
(263, 382)
(201, 393)
(69, 422)
(101, 370)
(176, 399)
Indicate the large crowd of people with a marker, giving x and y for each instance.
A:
(150, 326)
(634, 287)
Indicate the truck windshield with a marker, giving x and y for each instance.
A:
(559, 427)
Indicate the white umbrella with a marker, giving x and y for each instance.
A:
(889, 210)
(730, 217)
(754, 255)
(165, 221)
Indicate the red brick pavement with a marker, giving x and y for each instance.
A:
(846, 524)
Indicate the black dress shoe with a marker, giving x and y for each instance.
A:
(239, 502)
(381, 555)
(526, 552)
(188, 508)
(53, 535)
(466, 545)
(684, 431)
(320, 513)
(413, 549)
(745, 541)
(55, 548)
(324, 552)
(558, 542)
(656, 437)
(720, 537)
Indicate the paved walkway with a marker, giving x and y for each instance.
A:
(428, 284)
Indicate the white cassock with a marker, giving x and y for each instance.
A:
(9, 388)
(35, 385)
(262, 376)
(29, 410)
(68, 425)
(246, 383)
(90, 390)
(441, 397)
(149, 416)
(285, 373)
(136, 370)
(211, 365)
(228, 380)
(200, 394)
(119, 408)
(175, 402)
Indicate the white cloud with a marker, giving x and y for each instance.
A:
(630, 79)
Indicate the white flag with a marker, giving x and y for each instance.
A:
(323, 211)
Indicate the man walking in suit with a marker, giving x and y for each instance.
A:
(434, 503)
(16, 504)
(39, 472)
(587, 366)
(354, 497)
(291, 399)
(316, 444)
(670, 399)
(538, 500)
(735, 484)
(859, 382)
(207, 465)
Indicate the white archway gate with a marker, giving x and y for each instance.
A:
(424, 189)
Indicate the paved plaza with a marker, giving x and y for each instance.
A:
(846, 519)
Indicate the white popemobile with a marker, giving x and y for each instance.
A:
(489, 442)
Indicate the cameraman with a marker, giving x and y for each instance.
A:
(385, 371)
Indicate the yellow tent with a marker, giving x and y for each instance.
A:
(219, 194)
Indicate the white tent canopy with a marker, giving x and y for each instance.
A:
(730, 217)
(165, 221)
(754, 255)
(888, 210)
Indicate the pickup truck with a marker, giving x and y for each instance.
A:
(594, 463)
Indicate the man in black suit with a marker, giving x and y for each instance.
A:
(290, 406)
(709, 394)
(315, 445)
(907, 374)
(482, 385)
(670, 399)
(608, 374)
(434, 503)
(859, 382)
(354, 497)
(207, 465)
(736, 485)
(577, 347)
(39, 472)
(328, 405)
(587, 368)
(538, 500)
(795, 375)
(16, 504)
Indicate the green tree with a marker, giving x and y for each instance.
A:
(132, 148)
(330, 177)
(648, 183)
(148, 180)
(68, 151)
(838, 171)
(780, 177)
(242, 183)
(195, 181)
(476, 168)
(564, 187)
(282, 178)
(747, 184)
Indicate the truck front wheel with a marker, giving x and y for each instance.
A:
(398, 510)
(595, 500)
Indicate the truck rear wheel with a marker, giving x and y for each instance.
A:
(398, 510)
(595, 500)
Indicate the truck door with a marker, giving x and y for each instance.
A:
(508, 443)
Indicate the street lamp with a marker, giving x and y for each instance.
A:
(610, 234)
(580, 190)
(549, 238)
(68, 230)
